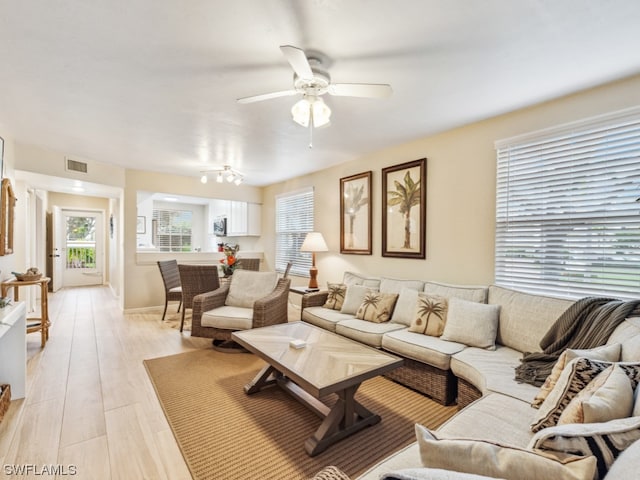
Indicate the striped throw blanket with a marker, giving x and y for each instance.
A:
(587, 323)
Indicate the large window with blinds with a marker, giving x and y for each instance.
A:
(172, 230)
(294, 219)
(567, 216)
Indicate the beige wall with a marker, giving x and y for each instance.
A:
(461, 169)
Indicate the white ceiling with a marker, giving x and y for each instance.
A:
(152, 84)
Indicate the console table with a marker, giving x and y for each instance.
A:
(34, 324)
(13, 348)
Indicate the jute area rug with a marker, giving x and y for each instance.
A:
(225, 434)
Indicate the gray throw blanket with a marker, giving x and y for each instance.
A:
(587, 323)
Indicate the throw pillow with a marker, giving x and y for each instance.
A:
(575, 377)
(636, 403)
(605, 441)
(608, 396)
(609, 353)
(377, 307)
(405, 306)
(248, 286)
(335, 298)
(430, 315)
(500, 461)
(353, 298)
(473, 324)
(431, 474)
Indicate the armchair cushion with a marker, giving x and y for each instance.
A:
(248, 286)
(228, 318)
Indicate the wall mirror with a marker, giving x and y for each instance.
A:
(8, 202)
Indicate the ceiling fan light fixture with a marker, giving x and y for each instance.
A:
(311, 110)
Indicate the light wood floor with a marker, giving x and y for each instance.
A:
(89, 401)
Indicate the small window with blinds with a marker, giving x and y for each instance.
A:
(294, 219)
(567, 216)
(172, 230)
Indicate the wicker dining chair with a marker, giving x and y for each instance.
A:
(196, 279)
(249, 264)
(172, 286)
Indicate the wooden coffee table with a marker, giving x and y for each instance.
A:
(328, 363)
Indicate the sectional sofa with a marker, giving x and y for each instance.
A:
(476, 371)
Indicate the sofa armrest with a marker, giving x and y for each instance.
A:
(315, 299)
(273, 308)
(205, 302)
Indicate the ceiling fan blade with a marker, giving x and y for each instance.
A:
(298, 61)
(371, 90)
(266, 96)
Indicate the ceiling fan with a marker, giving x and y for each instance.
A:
(311, 79)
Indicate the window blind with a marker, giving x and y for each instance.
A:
(172, 230)
(567, 220)
(294, 219)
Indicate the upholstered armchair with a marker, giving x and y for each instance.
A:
(252, 299)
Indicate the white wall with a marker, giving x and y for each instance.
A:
(461, 170)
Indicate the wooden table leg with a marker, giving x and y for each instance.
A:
(265, 378)
(345, 418)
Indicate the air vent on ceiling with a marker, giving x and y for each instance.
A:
(76, 166)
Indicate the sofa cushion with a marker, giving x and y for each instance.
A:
(605, 441)
(430, 315)
(627, 334)
(423, 348)
(494, 417)
(464, 292)
(405, 306)
(609, 353)
(350, 278)
(394, 285)
(525, 318)
(363, 331)
(324, 317)
(354, 297)
(499, 460)
(335, 295)
(228, 317)
(248, 286)
(407, 457)
(471, 323)
(377, 307)
(607, 397)
(492, 371)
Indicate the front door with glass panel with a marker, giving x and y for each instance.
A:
(83, 248)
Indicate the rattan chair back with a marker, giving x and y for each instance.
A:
(171, 280)
(196, 279)
(249, 264)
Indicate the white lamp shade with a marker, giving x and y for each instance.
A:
(314, 242)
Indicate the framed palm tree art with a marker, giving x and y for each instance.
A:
(355, 214)
(404, 210)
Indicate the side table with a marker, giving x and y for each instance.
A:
(34, 324)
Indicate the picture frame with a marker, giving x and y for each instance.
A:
(404, 210)
(7, 205)
(1, 158)
(356, 214)
(141, 226)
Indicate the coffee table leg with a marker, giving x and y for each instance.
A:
(265, 378)
(345, 418)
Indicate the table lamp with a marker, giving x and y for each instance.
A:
(313, 242)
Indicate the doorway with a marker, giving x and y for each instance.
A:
(78, 246)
